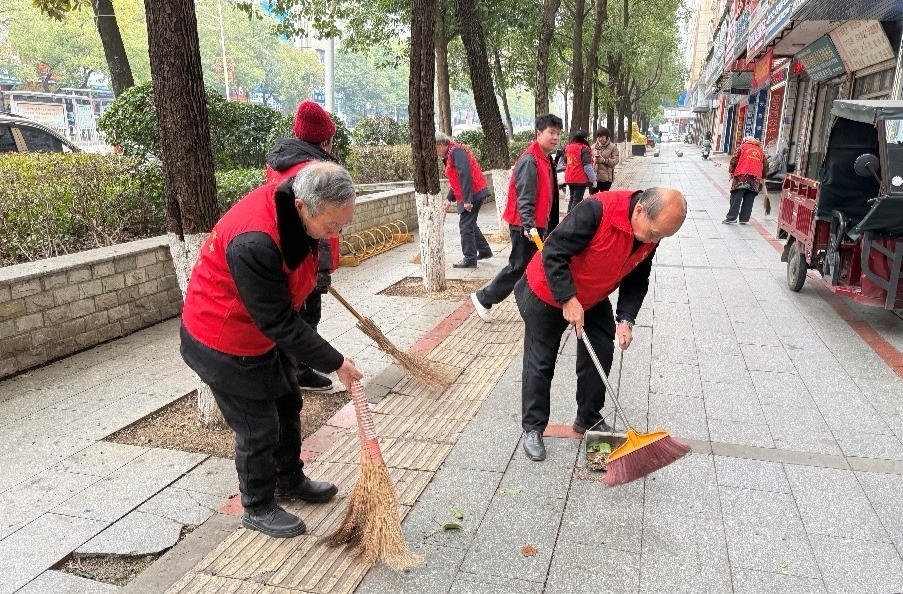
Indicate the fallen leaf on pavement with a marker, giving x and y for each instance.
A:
(528, 550)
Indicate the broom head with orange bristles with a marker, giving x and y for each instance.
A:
(642, 454)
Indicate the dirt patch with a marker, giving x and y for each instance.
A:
(455, 289)
(175, 427)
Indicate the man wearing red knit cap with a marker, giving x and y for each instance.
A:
(314, 129)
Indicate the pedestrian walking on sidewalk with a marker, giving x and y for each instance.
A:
(532, 192)
(747, 169)
(579, 172)
(605, 158)
(313, 131)
(468, 189)
(606, 243)
(242, 332)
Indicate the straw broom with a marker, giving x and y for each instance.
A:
(371, 520)
(431, 373)
(642, 453)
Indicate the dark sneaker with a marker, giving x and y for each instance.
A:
(729, 221)
(534, 446)
(580, 427)
(485, 256)
(313, 381)
(298, 486)
(273, 521)
(464, 264)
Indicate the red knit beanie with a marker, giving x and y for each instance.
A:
(312, 123)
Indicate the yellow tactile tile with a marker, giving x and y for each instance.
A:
(198, 583)
(440, 409)
(415, 428)
(317, 567)
(251, 556)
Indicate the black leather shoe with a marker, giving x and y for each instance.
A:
(464, 264)
(298, 486)
(313, 381)
(534, 446)
(485, 256)
(581, 427)
(273, 521)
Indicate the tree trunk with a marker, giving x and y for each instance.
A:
(546, 31)
(184, 130)
(577, 66)
(442, 78)
(430, 203)
(483, 91)
(610, 120)
(113, 48)
(497, 63)
(500, 180)
(564, 96)
(582, 110)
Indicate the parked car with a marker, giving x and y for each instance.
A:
(22, 135)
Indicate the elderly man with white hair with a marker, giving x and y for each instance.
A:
(243, 335)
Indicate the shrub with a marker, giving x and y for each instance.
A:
(475, 140)
(381, 131)
(234, 184)
(375, 164)
(54, 203)
(240, 133)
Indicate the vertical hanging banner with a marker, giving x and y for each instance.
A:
(861, 44)
(762, 70)
(760, 114)
(775, 110)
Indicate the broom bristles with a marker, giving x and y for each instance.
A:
(431, 373)
(645, 460)
(371, 520)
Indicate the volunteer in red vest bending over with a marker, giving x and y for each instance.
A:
(579, 173)
(243, 335)
(605, 243)
(532, 191)
(469, 189)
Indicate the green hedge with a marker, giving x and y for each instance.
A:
(234, 184)
(381, 131)
(376, 164)
(475, 140)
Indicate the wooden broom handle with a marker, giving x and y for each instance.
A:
(347, 305)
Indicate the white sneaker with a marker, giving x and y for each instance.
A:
(484, 312)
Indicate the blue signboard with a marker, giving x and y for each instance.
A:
(821, 60)
(777, 19)
(760, 113)
(320, 97)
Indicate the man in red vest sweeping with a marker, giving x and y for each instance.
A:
(243, 335)
(532, 191)
(469, 189)
(313, 130)
(605, 243)
(747, 168)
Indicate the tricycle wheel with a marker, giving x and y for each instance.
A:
(796, 266)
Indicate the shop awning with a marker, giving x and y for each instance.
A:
(850, 10)
(868, 112)
(702, 109)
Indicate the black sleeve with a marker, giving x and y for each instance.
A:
(525, 183)
(569, 238)
(256, 266)
(633, 289)
(462, 164)
(325, 263)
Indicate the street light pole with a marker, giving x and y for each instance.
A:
(329, 67)
(222, 44)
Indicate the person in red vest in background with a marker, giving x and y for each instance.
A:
(579, 172)
(532, 191)
(605, 243)
(469, 189)
(313, 128)
(747, 169)
(243, 335)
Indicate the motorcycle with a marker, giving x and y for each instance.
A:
(706, 148)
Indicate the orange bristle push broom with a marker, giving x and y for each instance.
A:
(371, 520)
(642, 453)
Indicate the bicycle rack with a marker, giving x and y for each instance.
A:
(374, 241)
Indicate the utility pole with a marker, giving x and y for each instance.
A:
(329, 67)
(222, 44)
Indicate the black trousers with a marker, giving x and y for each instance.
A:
(522, 250)
(311, 313)
(602, 186)
(267, 442)
(577, 192)
(543, 328)
(741, 204)
(472, 240)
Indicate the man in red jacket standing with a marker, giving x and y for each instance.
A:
(469, 189)
(242, 333)
(532, 191)
(747, 168)
(606, 243)
(313, 131)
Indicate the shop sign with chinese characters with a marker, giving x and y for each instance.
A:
(861, 44)
(821, 59)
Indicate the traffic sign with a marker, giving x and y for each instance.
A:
(320, 97)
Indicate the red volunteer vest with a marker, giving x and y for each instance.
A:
(751, 160)
(214, 313)
(573, 170)
(276, 177)
(599, 269)
(476, 174)
(543, 190)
